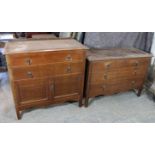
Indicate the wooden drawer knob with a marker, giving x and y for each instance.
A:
(68, 58)
(28, 61)
(29, 74)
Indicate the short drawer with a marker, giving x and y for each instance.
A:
(65, 56)
(20, 73)
(67, 68)
(108, 65)
(30, 59)
(19, 60)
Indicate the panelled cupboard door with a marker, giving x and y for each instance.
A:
(33, 91)
(66, 87)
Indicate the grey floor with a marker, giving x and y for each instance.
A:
(123, 107)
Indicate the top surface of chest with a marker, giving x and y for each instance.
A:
(109, 54)
(42, 46)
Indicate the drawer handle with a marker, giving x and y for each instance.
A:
(108, 66)
(68, 70)
(136, 63)
(103, 87)
(135, 73)
(68, 58)
(30, 75)
(133, 82)
(105, 76)
(28, 61)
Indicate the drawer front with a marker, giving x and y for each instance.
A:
(119, 74)
(68, 68)
(31, 59)
(110, 65)
(20, 73)
(65, 56)
(17, 60)
(109, 89)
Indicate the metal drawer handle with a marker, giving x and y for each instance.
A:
(105, 76)
(30, 74)
(108, 66)
(133, 82)
(68, 70)
(103, 87)
(28, 61)
(135, 73)
(68, 58)
(136, 63)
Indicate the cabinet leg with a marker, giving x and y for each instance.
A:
(139, 92)
(86, 102)
(81, 102)
(18, 114)
(153, 97)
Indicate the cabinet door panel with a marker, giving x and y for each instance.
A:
(32, 91)
(67, 86)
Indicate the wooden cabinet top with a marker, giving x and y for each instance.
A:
(116, 53)
(42, 45)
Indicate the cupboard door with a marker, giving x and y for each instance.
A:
(34, 91)
(67, 87)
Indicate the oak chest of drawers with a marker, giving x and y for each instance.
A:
(44, 72)
(115, 70)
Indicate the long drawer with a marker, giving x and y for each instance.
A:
(30, 59)
(118, 74)
(108, 89)
(110, 65)
(30, 72)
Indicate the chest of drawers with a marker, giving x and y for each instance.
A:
(45, 72)
(115, 70)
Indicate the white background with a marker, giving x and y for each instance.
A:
(77, 16)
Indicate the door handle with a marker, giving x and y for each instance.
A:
(68, 70)
(52, 87)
